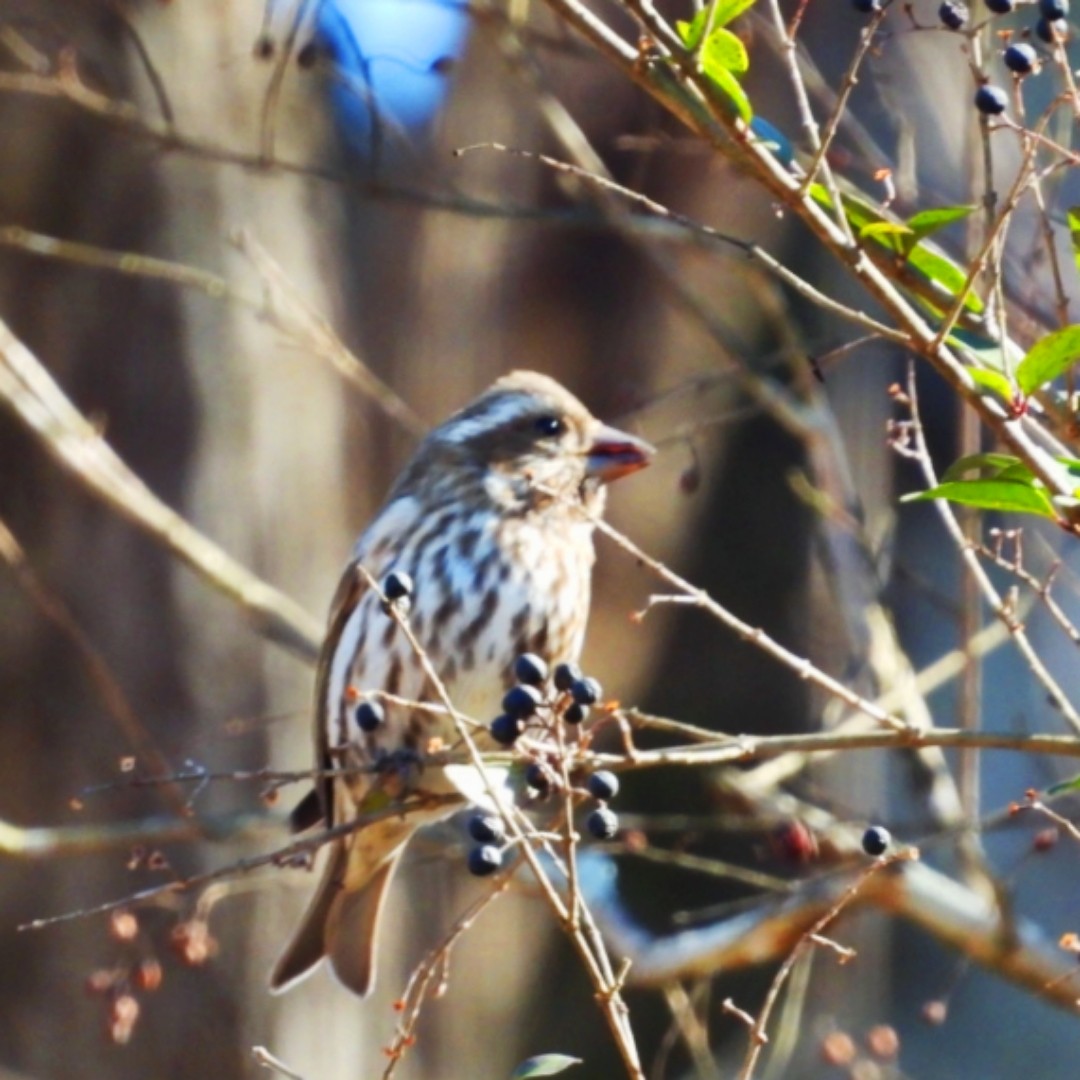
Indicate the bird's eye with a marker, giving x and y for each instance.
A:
(550, 426)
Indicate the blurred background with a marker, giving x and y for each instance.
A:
(323, 135)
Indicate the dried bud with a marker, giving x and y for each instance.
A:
(883, 1042)
(123, 926)
(101, 981)
(148, 975)
(935, 1012)
(838, 1049)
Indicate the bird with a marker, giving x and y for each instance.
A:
(490, 524)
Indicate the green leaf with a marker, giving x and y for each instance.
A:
(1073, 216)
(691, 32)
(726, 10)
(1050, 357)
(994, 381)
(725, 50)
(543, 1065)
(859, 212)
(1007, 495)
(1064, 785)
(895, 235)
(729, 86)
(945, 272)
(996, 463)
(926, 222)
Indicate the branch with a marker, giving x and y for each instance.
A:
(46, 412)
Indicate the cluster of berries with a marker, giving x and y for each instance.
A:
(1020, 58)
(489, 831)
(575, 693)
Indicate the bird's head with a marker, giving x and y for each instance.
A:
(526, 440)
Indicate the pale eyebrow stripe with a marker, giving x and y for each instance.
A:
(500, 412)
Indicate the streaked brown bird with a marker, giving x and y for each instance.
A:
(486, 520)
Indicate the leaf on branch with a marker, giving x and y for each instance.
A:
(723, 56)
(729, 86)
(1073, 215)
(927, 222)
(1010, 496)
(945, 272)
(1048, 358)
(544, 1065)
(994, 381)
(893, 234)
(1000, 466)
(725, 50)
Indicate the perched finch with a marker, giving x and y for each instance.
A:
(485, 523)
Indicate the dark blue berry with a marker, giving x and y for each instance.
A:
(506, 729)
(530, 669)
(603, 785)
(566, 675)
(575, 713)
(991, 100)
(602, 823)
(370, 716)
(1000, 7)
(1052, 30)
(522, 701)
(586, 692)
(484, 860)
(1052, 10)
(1020, 59)
(867, 7)
(487, 829)
(397, 585)
(953, 14)
(876, 840)
(538, 777)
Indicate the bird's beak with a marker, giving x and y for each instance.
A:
(614, 454)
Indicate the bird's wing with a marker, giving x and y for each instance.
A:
(350, 591)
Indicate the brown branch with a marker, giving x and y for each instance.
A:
(28, 389)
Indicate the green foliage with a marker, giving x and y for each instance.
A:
(1004, 483)
(1048, 358)
(994, 381)
(722, 55)
(543, 1065)
(905, 238)
(1073, 216)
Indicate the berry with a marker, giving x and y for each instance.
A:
(867, 7)
(566, 675)
(1052, 30)
(487, 829)
(506, 729)
(603, 785)
(398, 585)
(1000, 7)
(602, 823)
(370, 716)
(575, 713)
(991, 100)
(522, 701)
(530, 669)
(1052, 10)
(876, 840)
(953, 14)
(538, 778)
(1020, 59)
(484, 860)
(586, 692)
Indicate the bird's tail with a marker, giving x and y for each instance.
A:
(342, 919)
